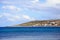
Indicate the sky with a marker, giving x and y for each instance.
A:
(20, 11)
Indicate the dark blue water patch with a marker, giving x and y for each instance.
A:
(28, 31)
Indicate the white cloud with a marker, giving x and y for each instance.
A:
(1, 16)
(51, 3)
(34, 5)
(11, 7)
(14, 18)
(27, 17)
(7, 14)
(6, 2)
(21, 2)
(11, 17)
(48, 3)
(35, 1)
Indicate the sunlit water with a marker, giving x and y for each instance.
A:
(30, 33)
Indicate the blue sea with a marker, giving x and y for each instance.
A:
(29, 33)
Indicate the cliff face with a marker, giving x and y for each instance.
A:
(41, 23)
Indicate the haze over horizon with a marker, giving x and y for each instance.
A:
(20, 11)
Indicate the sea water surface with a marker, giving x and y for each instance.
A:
(29, 33)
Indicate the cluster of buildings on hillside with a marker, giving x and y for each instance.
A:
(48, 23)
(41, 23)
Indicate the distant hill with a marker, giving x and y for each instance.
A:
(41, 23)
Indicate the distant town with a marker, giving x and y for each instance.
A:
(41, 23)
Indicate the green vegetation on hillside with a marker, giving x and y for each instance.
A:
(41, 23)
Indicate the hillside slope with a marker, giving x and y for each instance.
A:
(41, 23)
